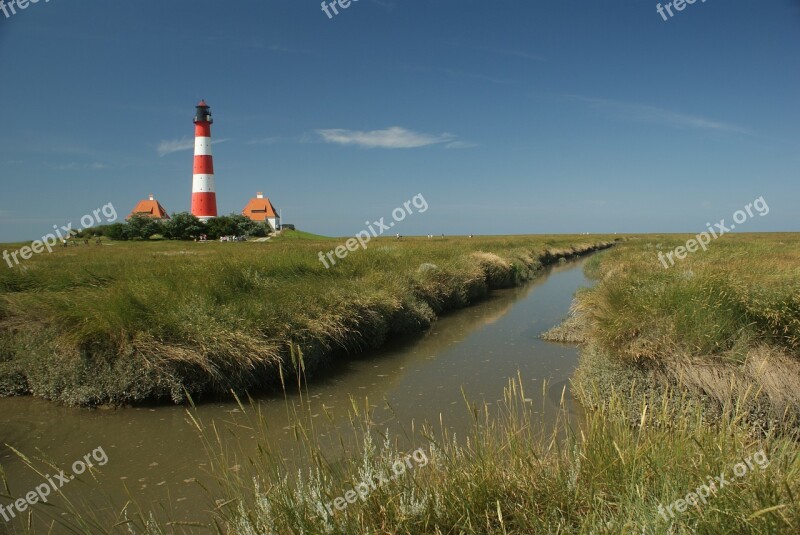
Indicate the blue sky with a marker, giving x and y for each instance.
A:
(508, 116)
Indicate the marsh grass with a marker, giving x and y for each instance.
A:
(744, 290)
(723, 324)
(129, 322)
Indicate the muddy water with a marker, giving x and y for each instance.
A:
(154, 454)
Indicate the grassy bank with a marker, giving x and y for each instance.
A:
(722, 326)
(129, 322)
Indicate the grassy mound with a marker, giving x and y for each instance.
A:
(571, 331)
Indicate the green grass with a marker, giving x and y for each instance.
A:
(127, 322)
(744, 290)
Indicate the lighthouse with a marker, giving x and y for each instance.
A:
(204, 196)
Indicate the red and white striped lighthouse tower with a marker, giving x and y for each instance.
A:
(204, 197)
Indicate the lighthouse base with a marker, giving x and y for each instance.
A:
(204, 205)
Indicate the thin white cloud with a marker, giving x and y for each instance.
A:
(661, 116)
(395, 137)
(177, 145)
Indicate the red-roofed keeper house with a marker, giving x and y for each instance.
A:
(149, 208)
(260, 209)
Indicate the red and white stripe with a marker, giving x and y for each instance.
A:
(204, 197)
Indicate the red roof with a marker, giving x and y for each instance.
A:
(259, 209)
(203, 103)
(150, 208)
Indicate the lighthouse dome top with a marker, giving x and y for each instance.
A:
(202, 104)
